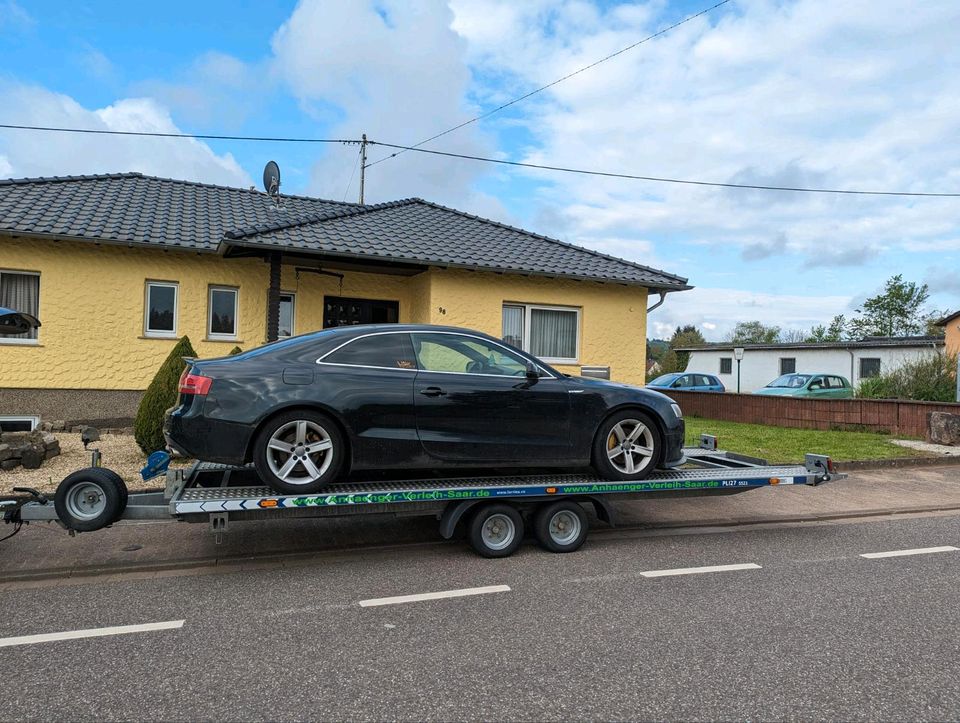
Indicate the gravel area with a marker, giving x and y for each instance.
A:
(120, 453)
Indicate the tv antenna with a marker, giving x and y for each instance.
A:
(271, 181)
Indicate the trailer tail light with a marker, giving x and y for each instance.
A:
(194, 384)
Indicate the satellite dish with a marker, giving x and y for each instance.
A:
(271, 178)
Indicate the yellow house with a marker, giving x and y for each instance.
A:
(119, 266)
(951, 329)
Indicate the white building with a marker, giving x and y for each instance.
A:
(762, 363)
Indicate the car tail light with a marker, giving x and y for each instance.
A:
(194, 383)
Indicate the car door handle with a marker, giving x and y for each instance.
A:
(433, 392)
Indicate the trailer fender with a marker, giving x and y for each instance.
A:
(452, 515)
(604, 510)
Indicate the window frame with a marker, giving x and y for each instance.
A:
(33, 419)
(870, 359)
(219, 336)
(23, 342)
(147, 331)
(293, 315)
(791, 359)
(729, 361)
(527, 329)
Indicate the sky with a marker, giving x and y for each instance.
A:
(861, 94)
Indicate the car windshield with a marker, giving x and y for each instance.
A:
(790, 381)
(663, 380)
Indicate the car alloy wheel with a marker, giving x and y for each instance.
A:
(630, 446)
(299, 452)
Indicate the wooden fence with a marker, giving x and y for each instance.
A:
(904, 418)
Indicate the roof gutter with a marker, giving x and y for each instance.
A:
(663, 297)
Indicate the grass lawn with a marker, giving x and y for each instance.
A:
(787, 445)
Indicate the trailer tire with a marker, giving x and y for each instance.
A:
(561, 526)
(495, 530)
(90, 499)
(122, 487)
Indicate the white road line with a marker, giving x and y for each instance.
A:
(433, 595)
(902, 553)
(697, 570)
(90, 633)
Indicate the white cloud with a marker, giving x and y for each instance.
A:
(395, 71)
(804, 93)
(57, 154)
(13, 16)
(716, 310)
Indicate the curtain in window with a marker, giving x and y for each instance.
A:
(21, 292)
(553, 334)
(513, 325)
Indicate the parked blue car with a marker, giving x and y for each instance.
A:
(688, 382)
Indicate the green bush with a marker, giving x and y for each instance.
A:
(932, 379)
(159, 397)
(236, 350)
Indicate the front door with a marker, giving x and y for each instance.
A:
(474, 403)
(343, 311)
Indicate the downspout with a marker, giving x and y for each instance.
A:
(847, 349)
(663, 297)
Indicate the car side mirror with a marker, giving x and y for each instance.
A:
(532, 372)
(676, 384)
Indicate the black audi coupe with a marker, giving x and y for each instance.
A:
(313, 408)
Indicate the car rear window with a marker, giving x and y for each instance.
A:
(389, 351)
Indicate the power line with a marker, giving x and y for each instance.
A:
(657, 179)
(558, 80)
(352, 174)
(199, 136)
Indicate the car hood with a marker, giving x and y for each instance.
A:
(779, 391)
(591, 383)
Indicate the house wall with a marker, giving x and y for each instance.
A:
(92, 311)
(761, 366)
(952, 336)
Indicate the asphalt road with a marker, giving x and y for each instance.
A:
(810, 630)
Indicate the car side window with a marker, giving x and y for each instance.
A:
(817, 383)
(389, 351)
(466, 355)
(837, 383)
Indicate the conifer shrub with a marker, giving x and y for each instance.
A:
(159, 397)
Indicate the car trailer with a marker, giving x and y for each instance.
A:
(496, 509)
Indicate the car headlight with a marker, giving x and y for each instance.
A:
(676, 410)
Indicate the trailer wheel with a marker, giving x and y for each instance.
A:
(90, 499)
(496, 530)
(561, 526)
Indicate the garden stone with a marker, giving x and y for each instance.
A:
(32, 457)
(9, 464)
(943, 428)
(6, 452)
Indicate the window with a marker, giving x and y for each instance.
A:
(869, 368)
(287, 308)
(222, 310)
(20, 291)
(726, 365)
(160, 312)
(836, 383)
(788, 365)
(460, 354)
(388, 351)
(549, 332)
(18, 424)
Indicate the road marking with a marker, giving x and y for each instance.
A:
(697, 570)
(400, 599)
(902, 553)
(90, 633)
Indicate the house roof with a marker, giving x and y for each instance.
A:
(948, 318)
(134, 209)
(870, 342)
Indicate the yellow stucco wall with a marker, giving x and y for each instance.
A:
(952, 335)
(92, 309)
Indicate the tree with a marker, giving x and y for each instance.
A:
(754, 332)
(897, 311)
(676, 361)
(159, 397)
(836, 331)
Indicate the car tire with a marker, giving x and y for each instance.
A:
(299, 452)
(90, 499)
(634, 462)
(561, 526)
(495, 530)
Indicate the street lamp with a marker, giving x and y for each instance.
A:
(738, 354)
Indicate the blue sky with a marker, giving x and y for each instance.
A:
(844, 95)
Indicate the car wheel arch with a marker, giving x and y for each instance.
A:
(648, 411)
(277, 411)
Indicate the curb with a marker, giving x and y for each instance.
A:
(274, 560)
(897, 463)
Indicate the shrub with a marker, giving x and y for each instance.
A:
(236, 350)
(931, 379)
(159, 397)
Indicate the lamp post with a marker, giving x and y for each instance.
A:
(738, 354)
